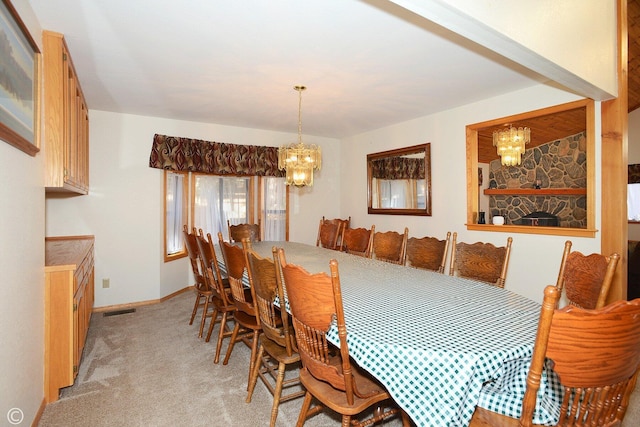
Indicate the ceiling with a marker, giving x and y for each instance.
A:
(543, 129)
(558, 125)
(366, 63)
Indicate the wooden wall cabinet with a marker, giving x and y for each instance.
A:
(69, 296)
(66, 120)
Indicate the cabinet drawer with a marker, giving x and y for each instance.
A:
(83, 272)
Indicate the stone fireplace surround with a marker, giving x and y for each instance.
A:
(556, 165)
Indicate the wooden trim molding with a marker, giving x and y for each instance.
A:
(614, 163)
(534, 192)
(590, 191)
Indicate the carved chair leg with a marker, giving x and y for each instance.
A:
(214, 317)
(223, 326)
(253, 378)
(205, 309)
(232, 342)
(306, 403)
(254, 351)
(195, 309)
(277, 393)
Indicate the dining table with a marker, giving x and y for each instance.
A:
(441, 345)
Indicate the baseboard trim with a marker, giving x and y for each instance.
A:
(36, 420)
(140, 303)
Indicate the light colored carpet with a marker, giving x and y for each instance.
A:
(149, 368)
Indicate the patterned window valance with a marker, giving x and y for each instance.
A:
(398, 168)
(634, 174)
(216, 158)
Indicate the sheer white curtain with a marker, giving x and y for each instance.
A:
(174, 206)
(633, 202)
(274, 209)
(206, 207)
(394, 193)
(235, 200)
(218, 199)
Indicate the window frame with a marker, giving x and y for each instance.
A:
(185, 189)
(472, 174)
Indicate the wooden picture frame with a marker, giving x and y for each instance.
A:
(19, 83)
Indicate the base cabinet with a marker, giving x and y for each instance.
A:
(69, 296)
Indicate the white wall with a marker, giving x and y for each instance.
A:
(22, 269)
(124, 207)
(535, 259)
(586, 47)
(634, 158)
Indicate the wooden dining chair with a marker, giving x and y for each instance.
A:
(277, 350)
(428, 253)
(238, 232)
(220, 293)
(480, 261)
(328, 376)
(595, 355)
(346, 223)
(246, 314)
(200, 287)
(390, 246)
(586, 279)
(358, 241)
(329, 234)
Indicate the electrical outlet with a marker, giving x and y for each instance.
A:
(105, 283)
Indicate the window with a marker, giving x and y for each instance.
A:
(217, 199)
(633, 202)
(175, 214)
(274, 200)
(398, 193)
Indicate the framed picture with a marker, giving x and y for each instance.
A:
(19, 82)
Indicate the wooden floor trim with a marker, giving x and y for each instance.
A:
(140, 303)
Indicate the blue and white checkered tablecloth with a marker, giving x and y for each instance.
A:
(441, 345)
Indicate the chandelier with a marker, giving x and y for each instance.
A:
(297, 159)
(510, 144)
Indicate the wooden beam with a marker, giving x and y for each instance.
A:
(614, 165)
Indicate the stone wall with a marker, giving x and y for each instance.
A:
(557, 164)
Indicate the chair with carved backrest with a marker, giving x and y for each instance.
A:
(358, 241)
(346, 223)
(595, 355)
(277, 343)
(203, 292)
(238, 232)
(220, 292)
(480, 261)
(390, 246)
(329, 234)
(586, 279)
(329, 376)
(246, 314)
(428, 253)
